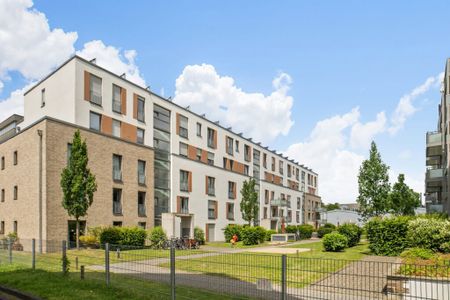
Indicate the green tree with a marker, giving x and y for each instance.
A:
(332, 206)
(374, 187)
(402, 198)
(249, 203)
(78, 183)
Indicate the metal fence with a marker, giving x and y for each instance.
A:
(183, 274)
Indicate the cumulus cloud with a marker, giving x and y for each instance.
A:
(262, 117)
(363, 134)
(113, 59)
(14, 103)
(405, 107)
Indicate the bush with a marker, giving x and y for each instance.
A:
(132, 236)
(157, 237)
(111, 235)
(387, 236)
(415, 253)
(324, 230)
(253, 235)
(329, 225)
(269, 234)
(445, 247)
(334, 242)
(95, 232)
(291, 229)
(428, 233)
(199, 235)
(305, 231)
(231, 230)
(88, 239)
(352, 232)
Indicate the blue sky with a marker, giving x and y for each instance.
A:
(338, 54)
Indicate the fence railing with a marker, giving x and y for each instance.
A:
(237, 273)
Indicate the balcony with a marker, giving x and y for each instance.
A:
(434, 179)
(433, 198)
(278, 202)
(434, 144)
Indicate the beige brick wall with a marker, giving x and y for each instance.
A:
(100, 150)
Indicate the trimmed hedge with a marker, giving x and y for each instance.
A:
(269, 234)
(323, 231)
(291, 229)
(352, 232)
(126, 236)
(305, 231)
(231, 230)
(428, 233)
(111, 235)
(388, 236)
(334, 242)
(253, 235)
(329, 225)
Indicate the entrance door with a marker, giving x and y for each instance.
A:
(211, 229)
(72, 232)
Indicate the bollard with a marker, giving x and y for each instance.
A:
(283, 277)
(107, 263)
(10, 254)
(82, 272)
(64, 257)
(172, 271)
(33, 254)
(76, 262)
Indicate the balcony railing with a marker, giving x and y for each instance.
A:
(435, 173)
(434, 138)
(184, 210)
(117, 208)
(142, 212)
(230, 216)
(278, 202)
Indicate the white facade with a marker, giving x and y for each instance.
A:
(65, 93)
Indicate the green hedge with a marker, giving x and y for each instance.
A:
(305, 231)
(253, 235)
(388, 236)
(323, 231)
(157, 237)
(352, 232)
(231, 230)
(428, 233)
(269, 234)
(199, 235)
(124, 236)
(291, 229)
(334, 242)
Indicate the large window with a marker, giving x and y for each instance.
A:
(117, 167)
(199, 129)
(211, 190)
(247, 152)
(211, 138)
(96, 89)
(184, 181)
(141, 204)
(183, 126)
(231, 190)
(281, 167)
(230, 211)
(141, 109)
(116, 101)
(210, 158)
(116, 128)
(212, 209)
(117, 201)
(95, 121)
(183, 149)
(229, 145)
(140, 136)
(184, 205)
(141, 172)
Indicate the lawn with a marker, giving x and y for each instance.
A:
(353, 253)
(238, 245)
(53, 285)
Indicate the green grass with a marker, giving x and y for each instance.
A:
(53, 285)
(238, 245)
(353, 253)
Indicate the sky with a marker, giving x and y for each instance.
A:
(317, 81)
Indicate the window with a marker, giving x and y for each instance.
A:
(211, 185)
(117, 201)
(264, 160)
(296, 174)
(16, 192)
(15, 158)
(229, 145)
(183, 149)
(15, 227)
(303, 176)
(2, 227)
(116, 101)
(289, 171)
(183, 126)
(210, 158)
(199, 129)
(246, 170)
(273, 164)
(272, 195)
(96, 89)
(230, 211)
(199, 154)
(211, 138)
(297, 216)
(142, 225)
(141, 172)
(141, 109)
(42, 97)
(247, 152)
(116, 128)
(281, 167)
(298, 202)
(69, 152)
(3, 163)
(231, 190)
(141, 204)
(184, 205)
(266, 196)
(237, 146)
(3, 195)
(265, 213)
(140, 136)
(117, 223)
(212, 209)
(184, 181)
(117, 167)
(95, 121)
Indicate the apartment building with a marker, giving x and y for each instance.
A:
(193, 168)
(437, 155)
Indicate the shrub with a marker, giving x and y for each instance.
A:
(199, 235)
(231, 230)
(352, 232)
(111, 235)
(387, 236)
(414, 253)
(428, 233)
(334, 242)
(324, 230)
(291, 229)
(88, 239)
(157, 237)
(269, 234)
(13, 237)
(329, 225)
(95, 232)
(305, 231)
(253, 235)
(132, 236)
(445, 247)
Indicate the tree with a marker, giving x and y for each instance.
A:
(249, 202)
(78, 183)
(332, 206)
(402, 198)
(374, 187)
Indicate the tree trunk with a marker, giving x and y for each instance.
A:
(77, 238)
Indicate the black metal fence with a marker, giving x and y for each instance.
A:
(183, 274)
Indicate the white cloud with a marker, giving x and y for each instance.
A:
(27, 44)
(113, 59)
(363, 134)
(262, 117)
(14, 103)
(405, 154)
(405, 107)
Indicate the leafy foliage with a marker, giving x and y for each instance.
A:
(132, 236)
(291, 229)
(421, 253)
(157, 237)
(232, 229)
(445, 247)
(323, 231)
(305, 231)
(269, 234)
(352, 232)
(111, 235)
(88, 239)
(388, 236)
(334, 242)
(249, 203)
(199, 235)
(374, 187)
(332, 206)
(403, 199)
(253, 235)
(428, 233)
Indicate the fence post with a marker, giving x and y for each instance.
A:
(33, 254)
(10, 254)
(107, 263)
(82, 272)
(172, 270)
(283, 277)
(64, 257)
